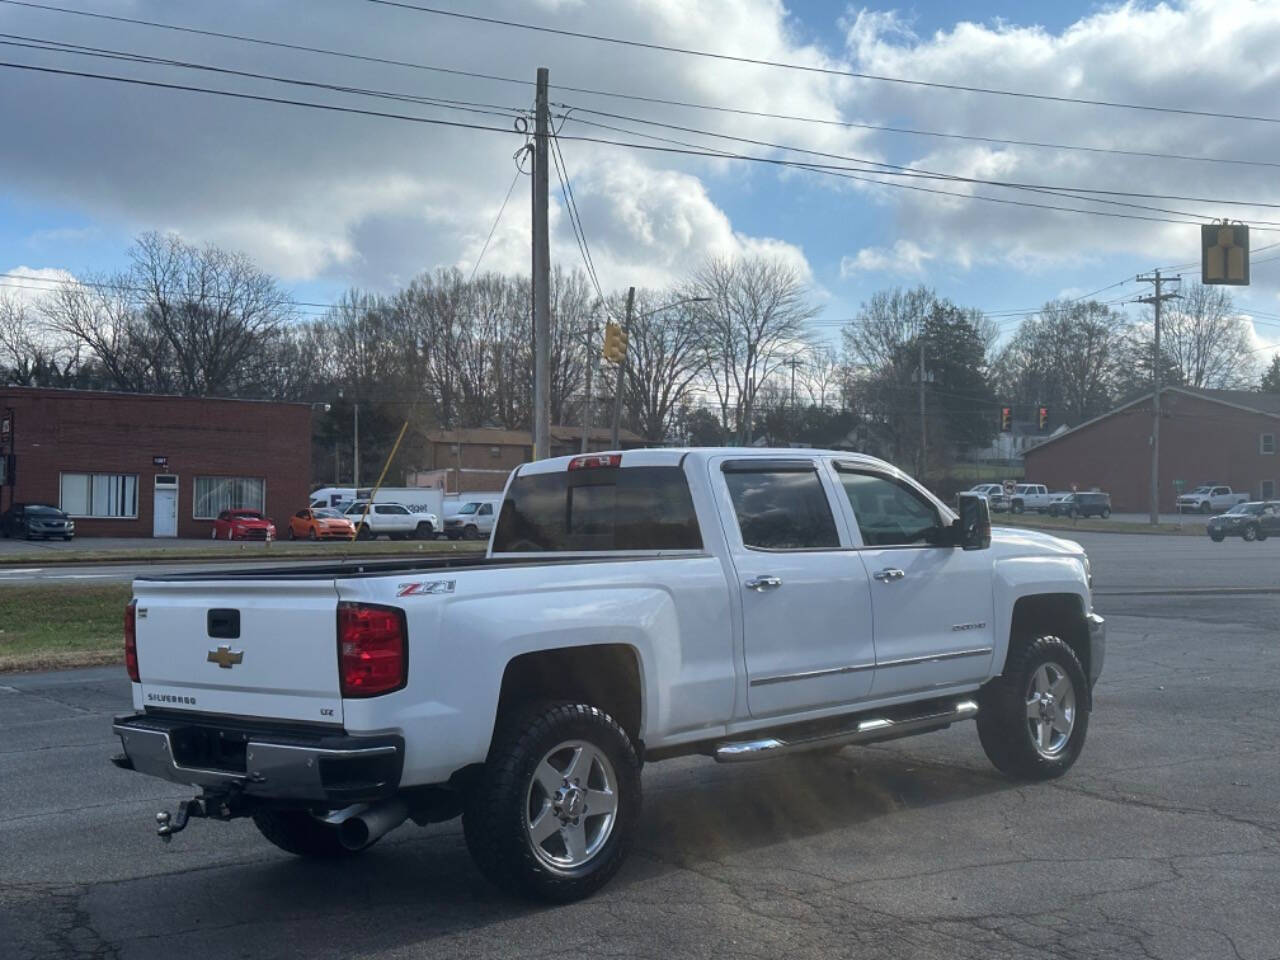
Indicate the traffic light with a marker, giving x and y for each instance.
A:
(1044, 417)
(1224, 254)
(1006, 419)
(615, 343)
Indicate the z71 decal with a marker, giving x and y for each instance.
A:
(424, 587)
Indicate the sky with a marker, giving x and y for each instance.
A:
(328, 200)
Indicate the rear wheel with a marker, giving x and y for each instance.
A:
(300, 833)
(554, 811)
(1033, 718)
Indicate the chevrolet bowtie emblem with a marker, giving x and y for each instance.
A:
(225, 657)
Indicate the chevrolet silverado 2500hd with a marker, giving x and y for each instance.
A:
(740, 604)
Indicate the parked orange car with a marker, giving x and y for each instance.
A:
(321, 523)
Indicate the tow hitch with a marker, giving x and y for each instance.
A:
(208, 806)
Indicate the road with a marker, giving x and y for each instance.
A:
(1162, 842)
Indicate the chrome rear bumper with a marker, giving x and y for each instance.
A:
(261, 763)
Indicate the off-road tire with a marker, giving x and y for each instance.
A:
(299, 833)
(493, 817)
(1002, 711)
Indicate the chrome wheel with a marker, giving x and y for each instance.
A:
(1051, 709)
(571, 805)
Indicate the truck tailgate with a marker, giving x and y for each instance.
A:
(253, 649)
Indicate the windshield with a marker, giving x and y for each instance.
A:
(1246, 508)
(246, 515)
(468, 508)
(328, 514)
(44, 511)
(1201, 490)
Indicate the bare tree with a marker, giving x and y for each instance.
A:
(755, 320)
(664, 358)
(1207, 340)
(31, 354)
(823, 376)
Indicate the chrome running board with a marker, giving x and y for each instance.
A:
(868, 729)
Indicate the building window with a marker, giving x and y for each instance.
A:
(1267, 443)
(215, 494)
(1268, 490)
(112, 495)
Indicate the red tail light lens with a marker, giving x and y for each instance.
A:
(131, 640)
(373, 649)
(595, 461)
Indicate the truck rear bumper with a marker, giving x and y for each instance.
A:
(1097, 646)
(259, 762)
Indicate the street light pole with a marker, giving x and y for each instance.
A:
(615, 437)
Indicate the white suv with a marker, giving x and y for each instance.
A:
(394, 520)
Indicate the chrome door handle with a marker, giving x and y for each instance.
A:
(888, 574)
(761, 584)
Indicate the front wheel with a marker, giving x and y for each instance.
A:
(1206, 508)
(1250, 533)
(1033, 718)
(363, 532)
(1106, 513)
(555, 809)
(425, 531)
(299, 833)
(1017, 507)
(1216, 537)
(292, 535)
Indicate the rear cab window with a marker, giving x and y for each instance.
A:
(598, 509)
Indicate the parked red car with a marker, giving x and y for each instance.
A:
(243, 525)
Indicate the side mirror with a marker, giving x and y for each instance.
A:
(972, 529)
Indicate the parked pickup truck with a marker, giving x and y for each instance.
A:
(1030, 496)
(740, 604)
(1210, 498)
(393, 520)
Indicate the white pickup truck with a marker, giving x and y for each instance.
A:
(738, 604)
(395, 521)
(1210, 498)
(1030, 496)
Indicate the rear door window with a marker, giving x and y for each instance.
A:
(600, 509)
(781, 507)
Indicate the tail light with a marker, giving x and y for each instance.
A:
(373, 649)
(595, 461)
(131, 640)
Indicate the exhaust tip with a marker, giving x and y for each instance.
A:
(353, 834)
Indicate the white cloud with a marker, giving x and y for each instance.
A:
(1201, 54)
(904, 257)
(28, 285)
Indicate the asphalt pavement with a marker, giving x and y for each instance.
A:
(1162, 842)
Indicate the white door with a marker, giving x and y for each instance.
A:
(932, 602)
(806, 602)
(165, 516)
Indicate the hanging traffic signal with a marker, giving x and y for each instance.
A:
(1224, 254)
(1044, 417)
(1006, 419)
(615, 343)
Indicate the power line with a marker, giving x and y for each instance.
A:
(56, 46)
(896, 169)
(496, 221)
(614, 94)
(807, 68)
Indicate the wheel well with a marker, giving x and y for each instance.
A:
(604, 675)
(1061, 614)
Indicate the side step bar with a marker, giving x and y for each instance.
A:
(863, 730)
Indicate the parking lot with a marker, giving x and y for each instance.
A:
(1162, 842)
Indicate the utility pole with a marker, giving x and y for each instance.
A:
(541, 279)
(355, 450)
(615, 436)
(1156, 300)
(591, 363)
(923, 446)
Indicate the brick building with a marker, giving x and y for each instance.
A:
(1206, 436)
(134, 465)
(482, 458)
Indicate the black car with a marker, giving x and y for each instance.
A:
(1082, 505)
(31, 520)
(1251, 521)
